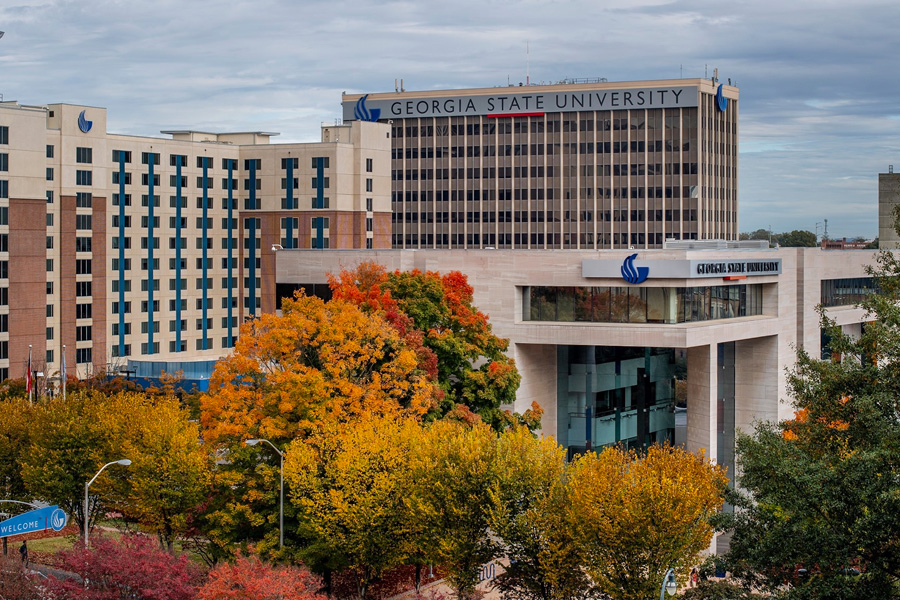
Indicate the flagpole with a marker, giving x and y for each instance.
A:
(64, 376)
(29, 379)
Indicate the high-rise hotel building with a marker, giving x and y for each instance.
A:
(576, 165)
(129, 250)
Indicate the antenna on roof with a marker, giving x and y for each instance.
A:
(527, 64)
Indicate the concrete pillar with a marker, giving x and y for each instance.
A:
(701, 399)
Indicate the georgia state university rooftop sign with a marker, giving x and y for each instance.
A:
(532, 103)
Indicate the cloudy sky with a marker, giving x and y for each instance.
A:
(820, 96)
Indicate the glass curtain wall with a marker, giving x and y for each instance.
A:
(615, 395)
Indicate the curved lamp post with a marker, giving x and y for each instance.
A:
(668, 585)
(87, 484)
(253, 442)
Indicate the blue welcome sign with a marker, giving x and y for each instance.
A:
(49, 517)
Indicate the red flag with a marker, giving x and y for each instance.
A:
(29, 378)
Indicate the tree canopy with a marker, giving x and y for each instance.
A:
(819, 514)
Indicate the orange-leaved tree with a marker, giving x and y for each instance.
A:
(635, 516)
(317, 360)
(252, 579)
(349, 480)
(453, 339)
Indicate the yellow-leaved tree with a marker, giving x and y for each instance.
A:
(454, 468)
(636, 516)
(315, 362)
(349, 481)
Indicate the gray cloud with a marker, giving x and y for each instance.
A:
(819, 115)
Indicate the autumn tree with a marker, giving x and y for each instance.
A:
(168, 476)
(15, 429)
(454, 468)
(316, 361)
(529, 512)
(635, 516)
(453, 339)
(248, 578)
(67, 445)
(820, 491)
(133, 567)
(349, 481)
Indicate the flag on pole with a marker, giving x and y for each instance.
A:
(29, 377)
(62, 371)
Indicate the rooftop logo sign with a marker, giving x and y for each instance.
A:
(83, 124)
(721, 100)
(533, 101)
(632, 274)
(362, 113)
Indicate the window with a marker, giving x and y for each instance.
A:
(4, 323)
(178, 325)
(126, 307)
(3, 242)
(229, 162)
(126, 350)
(258, 184)
(204, 161)
(126, 243)
(172, 305)
(145, 179)
(82, 244)
(82, 177)
(225, 186)
(83, 311)
(125, 330)
(83, 288)
(209, 183)
(49, 265)
(84, 155)
(181, 347)
(4, 269)
(125, 223)
(117, 155)
(175, 181)
(252, 204)
(209, 202)
(84, 199)
(369, 223)
(49, 151)
(4, 217)
(147, 156)
(49, 175)
(83, 266)
(294, 183)
(322, 159)
(49, 197)
(173, 202)
(115, 199)
(49, 288)
(368, 205)
(320, 221)
(126, 265)
(368, 165)
(4, 161)
(324, 203)
(290, 203)
(315, 183)
(83, 222)
(4, 134)
(145, 200)
(145, 285)
(145, 221)
(82, 355)
(146, 349)
(125, 178)
(4, 188)
(369, 185)
(294, 162)
(126, 285)
(49, 333)
(254, 162)
(83, 333)
(178, 159)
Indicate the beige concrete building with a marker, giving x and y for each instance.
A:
(602, 356)
(575, 165)
(143, 254)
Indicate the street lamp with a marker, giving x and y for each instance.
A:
(124, 462)
(668, 585)
(254, 442)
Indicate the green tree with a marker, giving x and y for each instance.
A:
(635, 516)
(798, 239)
(821, 491)
(15, 429)
(529, 516)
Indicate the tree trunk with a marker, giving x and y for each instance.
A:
(418, 578)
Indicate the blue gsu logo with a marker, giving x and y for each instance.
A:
(83, 124)
(632, 274)
(58, 520)
(364, 114)
(721, 100)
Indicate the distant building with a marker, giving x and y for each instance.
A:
(844, 244)
(888, 200)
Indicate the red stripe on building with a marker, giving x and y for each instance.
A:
(507, 115)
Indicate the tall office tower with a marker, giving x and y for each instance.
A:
(578, 164)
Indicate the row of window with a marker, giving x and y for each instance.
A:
(541, 216)
(182, 159)
(550, 193)
(542, 148)
(538, 172)
(535, 240)
(641, 304)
